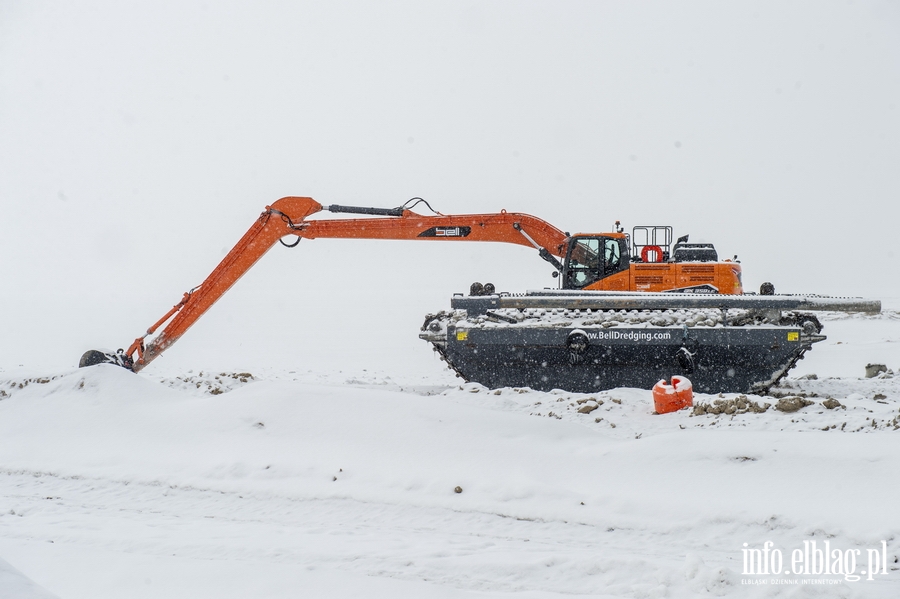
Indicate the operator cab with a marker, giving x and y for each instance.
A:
(590, 258)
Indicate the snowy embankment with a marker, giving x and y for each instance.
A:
(344, 485)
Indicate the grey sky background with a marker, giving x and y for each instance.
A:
(139, 140)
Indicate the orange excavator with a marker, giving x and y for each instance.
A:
(630, 309)
(585, 261)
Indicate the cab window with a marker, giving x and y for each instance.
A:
(612, 253)
(584, 262)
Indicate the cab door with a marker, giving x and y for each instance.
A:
(616, 274)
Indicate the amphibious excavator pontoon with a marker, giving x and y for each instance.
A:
(629, 310)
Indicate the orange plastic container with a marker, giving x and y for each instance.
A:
(672, 397)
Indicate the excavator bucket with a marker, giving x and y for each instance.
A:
(92, 357)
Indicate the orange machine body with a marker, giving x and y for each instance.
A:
(603, 262)
(665, 276)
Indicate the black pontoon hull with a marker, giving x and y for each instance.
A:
(723, 359)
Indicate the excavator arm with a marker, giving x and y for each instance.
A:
(288, 216)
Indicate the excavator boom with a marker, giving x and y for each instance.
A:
(287, 217)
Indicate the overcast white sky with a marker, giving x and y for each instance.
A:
(139, 140)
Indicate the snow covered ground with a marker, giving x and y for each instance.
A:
(343, 484)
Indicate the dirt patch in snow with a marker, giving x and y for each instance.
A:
(209, 383)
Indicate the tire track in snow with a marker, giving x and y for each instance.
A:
(465, 549)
